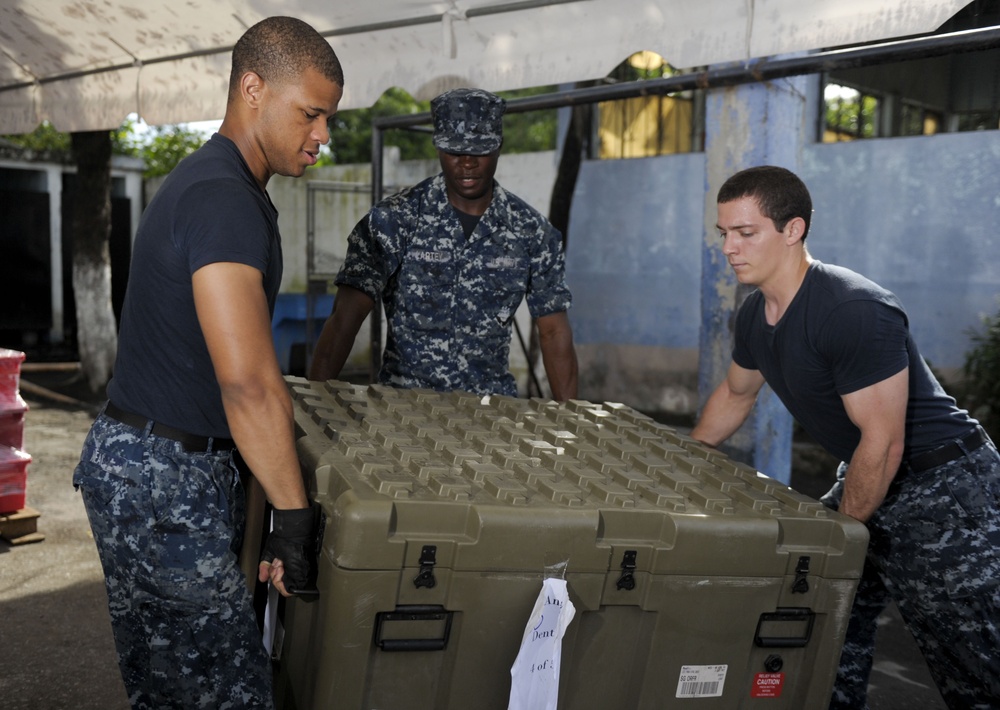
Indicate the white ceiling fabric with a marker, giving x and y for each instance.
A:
(85, 65)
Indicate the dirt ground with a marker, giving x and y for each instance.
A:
(56, 649)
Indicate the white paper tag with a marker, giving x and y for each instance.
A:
(701, 681)
(535, 673)
(272, 631)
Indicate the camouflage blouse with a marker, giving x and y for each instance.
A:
(450, 300)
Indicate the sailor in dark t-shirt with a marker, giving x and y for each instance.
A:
(917, 470)
(195, 379)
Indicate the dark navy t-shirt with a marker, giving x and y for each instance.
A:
(209, 209)
(840, 334)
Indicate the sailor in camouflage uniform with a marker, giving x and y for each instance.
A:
(919, 472)
(452, 258)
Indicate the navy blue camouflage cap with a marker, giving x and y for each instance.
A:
(468, 121)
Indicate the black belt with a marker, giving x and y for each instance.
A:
(949, 452)
(192, 443)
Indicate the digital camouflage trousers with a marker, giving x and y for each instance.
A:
(168, 526)
(935, 551)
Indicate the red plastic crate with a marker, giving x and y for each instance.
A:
(12, 423)
(13, 478)
(10, 375)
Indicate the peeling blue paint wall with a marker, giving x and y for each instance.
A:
(633, 259)
(921, 216)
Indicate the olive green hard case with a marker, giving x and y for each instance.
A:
(697, 582)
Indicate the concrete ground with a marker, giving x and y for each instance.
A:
(56, 649)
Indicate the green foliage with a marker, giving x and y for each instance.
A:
(45, 138)
(529, 131)
(161, 147)
(123, 140)
(643, 68)
(165, 146)
(351, 132)
(853, 113)
(982, 375)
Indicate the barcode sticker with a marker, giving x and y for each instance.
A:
(701, 681)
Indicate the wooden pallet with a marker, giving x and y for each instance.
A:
(21, 526)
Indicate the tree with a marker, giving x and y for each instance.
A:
(161, 149)
(97, 337)
(44, 139)
(165, 146)
(351, 131)
(529, 131)
(850, 113)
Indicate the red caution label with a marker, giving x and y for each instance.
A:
(767, 685)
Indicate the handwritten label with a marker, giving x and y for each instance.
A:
(535, 673)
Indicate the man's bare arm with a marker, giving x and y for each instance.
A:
(728, 406)
(233, 313)
(555, 336)
(879, 411)
(350, 308)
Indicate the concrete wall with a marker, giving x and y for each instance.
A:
(634, 265)
(919, 216)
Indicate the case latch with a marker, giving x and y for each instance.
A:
(428, 558)
(801, 583)
(627, 580)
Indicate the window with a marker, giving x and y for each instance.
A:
(646, 126)
(958, 91)
(918, 120)
(977, 121)
(850, 114)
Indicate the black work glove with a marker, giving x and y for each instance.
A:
(295, 539)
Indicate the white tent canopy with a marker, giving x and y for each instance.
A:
(87, 65)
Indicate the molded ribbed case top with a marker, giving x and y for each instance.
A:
(500, 483)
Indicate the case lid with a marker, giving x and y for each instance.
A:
(506, 484)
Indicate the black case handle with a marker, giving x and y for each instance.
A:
(785, 615)
(414, 613)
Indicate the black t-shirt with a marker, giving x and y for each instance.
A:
(469, 221)
(210, 209)
(840, 334)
